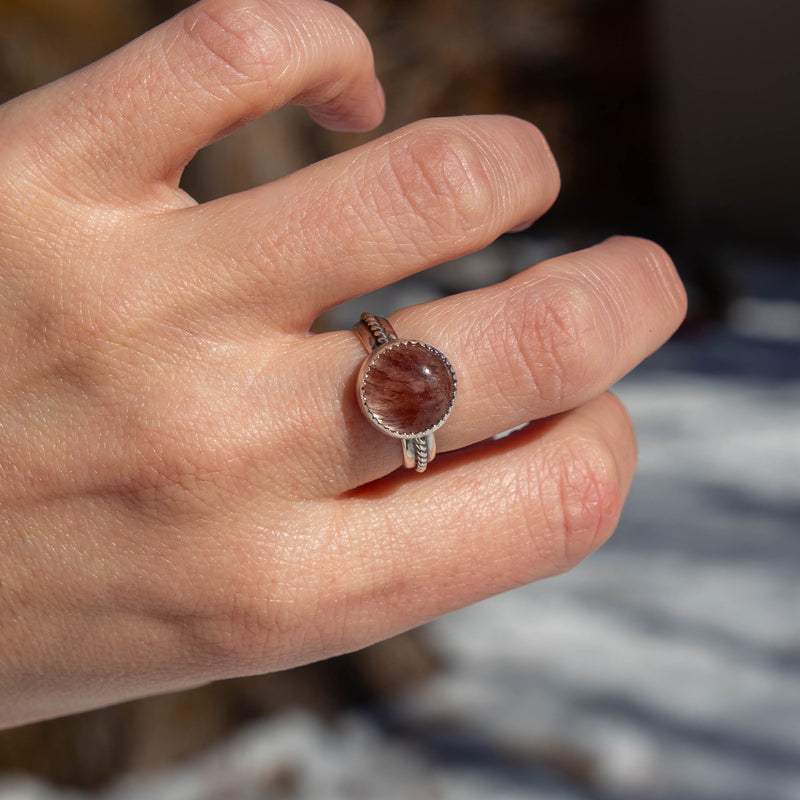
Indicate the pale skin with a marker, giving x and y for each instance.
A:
(188, 490)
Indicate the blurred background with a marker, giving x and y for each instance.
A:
(666, 666)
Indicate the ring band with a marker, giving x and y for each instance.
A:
(405, 388)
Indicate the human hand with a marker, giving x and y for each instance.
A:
(188, 490)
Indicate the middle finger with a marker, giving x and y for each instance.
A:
(361, 220)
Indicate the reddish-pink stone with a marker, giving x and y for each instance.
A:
(408, 388)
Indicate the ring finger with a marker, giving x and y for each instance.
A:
(539, 344)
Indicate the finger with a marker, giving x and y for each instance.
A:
(484, 522)
(537, 345)
(140, 114)
(361, 220)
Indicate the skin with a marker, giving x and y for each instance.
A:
(188, 490)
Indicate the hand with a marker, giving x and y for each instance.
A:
(188, 490)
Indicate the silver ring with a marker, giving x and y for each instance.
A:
(405, 388)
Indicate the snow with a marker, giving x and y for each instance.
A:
(666, 666)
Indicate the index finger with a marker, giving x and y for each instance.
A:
(139, 115)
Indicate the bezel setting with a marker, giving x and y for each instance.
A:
(369, 363)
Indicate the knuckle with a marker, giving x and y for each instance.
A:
(240, 38)
(547, 343)
(582, 499)
(441, 178)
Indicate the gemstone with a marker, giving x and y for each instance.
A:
(408, 388)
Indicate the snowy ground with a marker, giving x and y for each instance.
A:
(667, 666)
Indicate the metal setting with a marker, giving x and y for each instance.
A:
(374, 331)
(379, 339)
(370, 362)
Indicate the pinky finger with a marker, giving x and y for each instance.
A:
(486, 520)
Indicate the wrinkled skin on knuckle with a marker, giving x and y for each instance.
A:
(241, 37)
(548, 342)
(436, 178)
(581, 497)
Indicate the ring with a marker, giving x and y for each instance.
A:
(405, 388)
